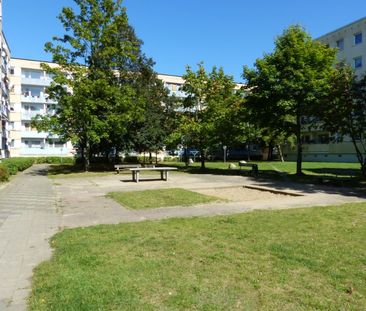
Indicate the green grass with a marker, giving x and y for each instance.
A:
(72, 171)
(160, 198)
(311, 168)
(300, 259)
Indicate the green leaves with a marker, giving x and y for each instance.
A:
(289, 83)
(103, 82)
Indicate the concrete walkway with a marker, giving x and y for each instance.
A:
(84, 202)
(33, 208)
(28, 218)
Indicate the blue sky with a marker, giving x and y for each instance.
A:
(229, 33)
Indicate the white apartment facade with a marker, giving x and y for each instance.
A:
(28, 99)
(4, 91)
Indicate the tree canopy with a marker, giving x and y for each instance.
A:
(344, 109)
(103, 81)
(289, 83)
(204, 113)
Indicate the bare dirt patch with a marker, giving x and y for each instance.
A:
(241, 194)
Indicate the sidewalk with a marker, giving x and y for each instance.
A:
(28, 218)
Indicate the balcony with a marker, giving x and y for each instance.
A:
(28, 115)
(33, 134)
(43, 81)
(36, 99)
(45, 151)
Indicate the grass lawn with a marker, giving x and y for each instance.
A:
(310, 168)
(71, 171)
(300, 259)
(160, 198)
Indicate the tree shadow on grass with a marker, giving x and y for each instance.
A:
(339, 183)
(75, 169)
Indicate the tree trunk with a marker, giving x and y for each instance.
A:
(280, 152)
(150, 157)
(360, 157)
(248, 152)
(270, 152)
(299, 147)
(156, 157)
(86, 158)
(203, 158)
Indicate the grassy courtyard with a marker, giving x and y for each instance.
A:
(160, 198)
(301, 259)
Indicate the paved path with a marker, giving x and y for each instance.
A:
(29, 213)
(84, 202)
(28, 217)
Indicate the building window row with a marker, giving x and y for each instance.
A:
(357, 62)
(357, 39)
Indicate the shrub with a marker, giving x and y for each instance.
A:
(131, 159)
(13, 165)
(4, 174)
(55, 160)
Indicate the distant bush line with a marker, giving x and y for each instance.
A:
(12, 166)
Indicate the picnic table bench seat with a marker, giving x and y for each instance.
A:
(254, 167)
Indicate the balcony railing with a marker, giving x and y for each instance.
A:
(36, 99)
(43, 81)
(45, 151)
(33, 134)
(27, 115)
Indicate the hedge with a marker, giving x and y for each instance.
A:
(11, 166)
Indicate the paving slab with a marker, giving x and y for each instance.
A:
(29, 217)
(84, 203)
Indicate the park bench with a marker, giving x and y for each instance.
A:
(164, 172)
(119, 167)
(254, 168)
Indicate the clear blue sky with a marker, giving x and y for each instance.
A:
(229, 33)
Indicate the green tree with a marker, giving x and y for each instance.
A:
(99, 77)
(344, 109)
(289, 83)
(210, 98)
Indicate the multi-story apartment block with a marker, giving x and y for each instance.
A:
(350, 41)
(27, 99)
(4, 97)
(318, 145)
(4, 91)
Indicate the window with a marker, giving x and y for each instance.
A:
(357, 62)
(358, 38)
(11, 71)
(340, 44)
(32, 74)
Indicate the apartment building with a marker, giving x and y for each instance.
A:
(318, 145)
(28, 99)
(4, 91)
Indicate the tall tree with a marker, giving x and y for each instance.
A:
(288, 83)
(210, 97)
(99, 76)
(344, 109)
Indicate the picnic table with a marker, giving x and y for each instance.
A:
(164, 172)
(254, 167)
(119, 167)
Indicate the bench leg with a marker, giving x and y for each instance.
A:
(117, 169)
(162, 175)
(166, 175)
(137, 176)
